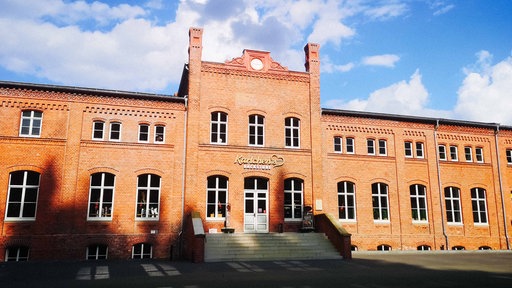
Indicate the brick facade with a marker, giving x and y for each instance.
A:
(65, 155)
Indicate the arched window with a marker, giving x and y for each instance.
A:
(452, 203)
(418, 195)
(17, 253)
(424, 248)
(256, 130)
(293, 190)
(142, 251)
(346, 200)
(148, 196)
(479, 204)
(219, 128)
(384, 247)
(380, 202)
(97, 252)
(101, 196)
(484, 248)
(458, 247)
(23, 193)
(292, 132)
(216, 196)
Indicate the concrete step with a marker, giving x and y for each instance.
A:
(267, 247)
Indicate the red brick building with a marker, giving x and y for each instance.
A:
(91, 173)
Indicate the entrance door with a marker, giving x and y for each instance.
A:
(256, 205)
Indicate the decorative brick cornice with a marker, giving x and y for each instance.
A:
(466, 138)
(359, 129)
(10, 103)
(129, 112)
(414, 133)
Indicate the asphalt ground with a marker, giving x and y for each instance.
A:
(366, 269)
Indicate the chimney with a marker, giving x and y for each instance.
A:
(312, 61)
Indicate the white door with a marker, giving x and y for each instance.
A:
(256, 205)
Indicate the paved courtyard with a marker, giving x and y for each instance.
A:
(367, 269)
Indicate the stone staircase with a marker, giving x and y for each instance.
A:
(268, 247)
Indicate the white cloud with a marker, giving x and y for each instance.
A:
(386, 60)
(386, 11)
(485, 92)
(441, 7)
(404, 98)
(328, 67)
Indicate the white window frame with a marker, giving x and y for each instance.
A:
(441, 150)
(408, 149)
(370, 146)
(338, 144)
(144, 254)
(508, 152)
(219, 128)
(479, 201)
(97, 129)
(96, 252)
(479, 154)
(468, 153)
(350, 145)
(296, 204)
(420, 150)
(27, 191)
(380, 206)
(17, 253)
(418, 195)
(101, 203)
(147, 208)
(159, 135)
(256, 134)
(35, 123)
(454, 153)
(220, 191)
(112, 131)
(292, 132)
(453, 200)
(345, 197)
(383, 149)
(143, 134)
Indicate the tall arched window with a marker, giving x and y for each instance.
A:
(219, 128)
(216, 196)
(346, 200)
(418, 195)
(292, 132)
(479, 204)
(380, 202)
(256, 130)
(101, 196)
(23, 193)
(148, 196)
(293, 189)
(452, 203)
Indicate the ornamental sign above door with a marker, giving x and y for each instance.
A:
(259, 163)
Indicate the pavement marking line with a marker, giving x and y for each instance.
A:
(84, 274)
(101, 273)
(244, 267)
(297, 266)
(168, 270)
(152, 270)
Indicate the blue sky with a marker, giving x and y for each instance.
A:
(434, 58)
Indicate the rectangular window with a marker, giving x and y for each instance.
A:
(256, 130)
(293, 199)
(479, 153)
(382, 147)
(441, 149)
(338, 146)
(408, 149)
(370, 146)
(97, 252)
(349, 145)
(23, 193)
(509, 156)
(346, 201)
(418, 195)
(380, 202)
(148, 196)
(419, 150)
(468, 153)
(219, 128)
(31, 122)
(454, 153)
(143, 133)
(115, 131)
(16, 253)
(101, 196)
(98, 127)
(292, 132)
(159, 134)
(479, 204)
(452, 203)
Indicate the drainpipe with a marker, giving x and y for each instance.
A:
(440, 186)
(183, 163)
(501, 186)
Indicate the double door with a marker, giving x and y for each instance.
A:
(256, 205)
